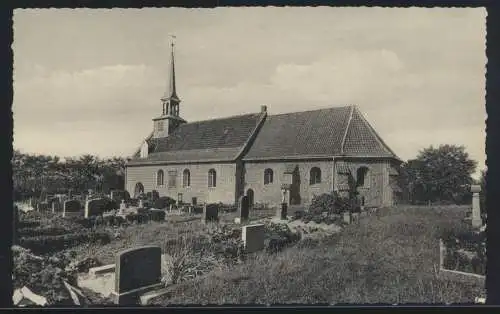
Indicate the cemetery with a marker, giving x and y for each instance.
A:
(116, 250)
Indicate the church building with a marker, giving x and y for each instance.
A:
(291, 156)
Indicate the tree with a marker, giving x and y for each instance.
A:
(440, 174)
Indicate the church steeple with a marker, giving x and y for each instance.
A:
(170, 100)
(170, 118)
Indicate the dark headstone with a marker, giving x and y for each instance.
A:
(210, 213)
(155, 195)
(193, 201)
(72, 208)
(95, 207)
(137, 268)
(149, 195)
(57, 206)
(243, 207)
(283, 211)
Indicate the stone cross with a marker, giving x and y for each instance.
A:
(476, 208)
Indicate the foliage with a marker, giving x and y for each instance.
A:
(43, 275)
(482, 195)
(468, 241)
(439, 174)
(34, 175)
(330, 203)
(164, 202)
(52, 243)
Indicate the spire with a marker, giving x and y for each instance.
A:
(172, 92)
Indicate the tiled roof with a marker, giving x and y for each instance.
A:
(210, 140)
(301, 134)
(318, 133)
(362, 140)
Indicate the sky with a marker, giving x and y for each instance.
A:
(89, 81)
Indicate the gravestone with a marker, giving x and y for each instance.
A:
(95, 207)
(347, 217)
(137, 270)
(194, 201)
(210, 213)
(72, 208)
(141, 203)
(253, 237)
(282, 211)
(123, 207)
(43, 206)
(155, 195)
(243, 209)
(57, 206)
(476, 209)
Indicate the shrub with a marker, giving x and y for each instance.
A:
(469, 241)
(330, 203)
(41, 231)
(164, 202)
(43, 275)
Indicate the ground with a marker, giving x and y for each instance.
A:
(391, 257)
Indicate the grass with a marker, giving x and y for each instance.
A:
(390, 258)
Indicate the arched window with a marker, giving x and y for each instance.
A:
(212, 178)
(268, 176)
(159, 178)
(186, 178)
(362, 177)
(315, 176)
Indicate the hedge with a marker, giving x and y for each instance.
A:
(49, 244)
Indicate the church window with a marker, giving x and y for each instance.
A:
(315, 176)
(212, 178)
(159, 178)
(172, 178)
(268, 176)
(159, 126)
(186, 178)
(362, 177)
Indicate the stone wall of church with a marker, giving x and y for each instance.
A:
(224, 191)
(271, 193)
(377, 190)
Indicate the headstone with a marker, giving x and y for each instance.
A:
(43, 206)
(243, 208)
(347, 217)
(95, 207)
(141, 204)
(155, 195)
(72, 208)
(282, 211)
(194, 201)
(137, 270)
(123, 206)
(253, 237)
(476, 209)
(57, 206)
(210, 213)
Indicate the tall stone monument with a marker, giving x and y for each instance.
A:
(476, 207)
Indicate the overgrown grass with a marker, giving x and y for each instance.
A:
(388, 258)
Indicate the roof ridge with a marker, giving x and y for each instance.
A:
(375, 134)
(342, 144)
(224, 118)
(312, 110)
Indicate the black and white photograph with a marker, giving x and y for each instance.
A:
(249, 155)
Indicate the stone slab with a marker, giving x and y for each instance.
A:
(96, 271)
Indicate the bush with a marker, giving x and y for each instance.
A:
(164, 202)
(41, 231)
(469, 241)
(330, 203)
(43, 275)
